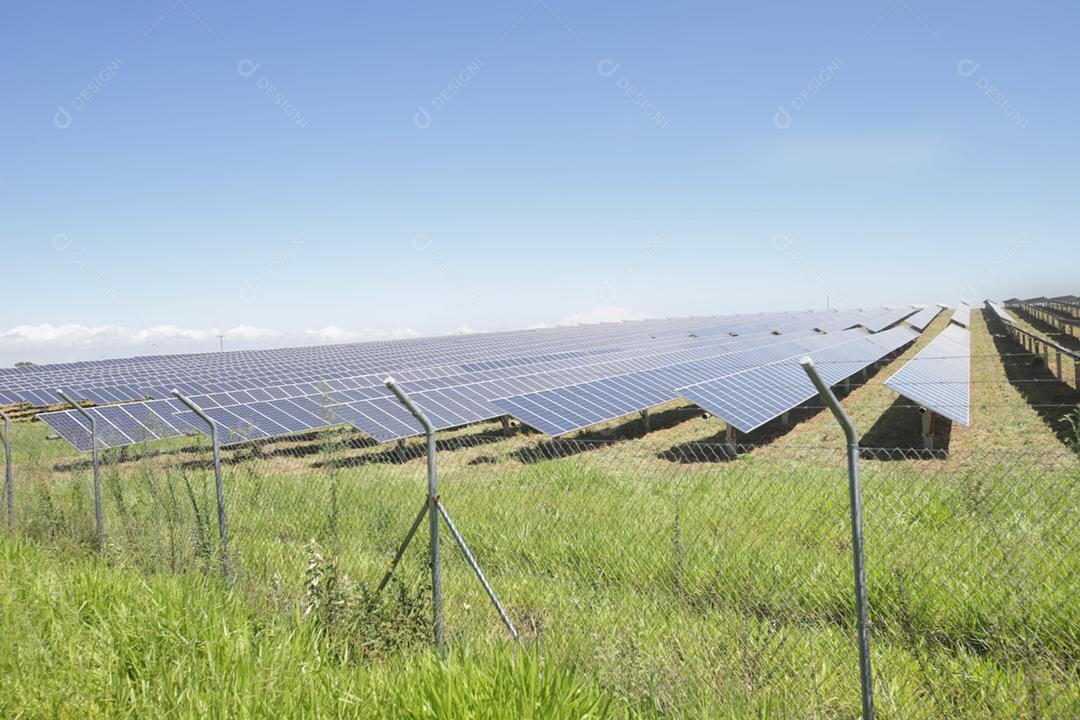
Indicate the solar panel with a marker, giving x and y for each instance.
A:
(1001, 312)
(749, 399)
(938, 378)
(885, 319)
(455, 383)
(962, 315)
(924, 317)
(562, 410)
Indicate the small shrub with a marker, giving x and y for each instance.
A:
(355, 621)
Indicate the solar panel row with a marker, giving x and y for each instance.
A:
(451, 391)
(751, 398)
(154, 377)
(962, 315)
(1001, 312)
(924, 317)
(938, 378)
(103, 382)
(885, 320)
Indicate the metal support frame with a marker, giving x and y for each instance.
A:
(507, 428)
(855, 497)
(645, 420)
(730, 440)
(435, 509)
(928, 426)
(99, 514)
(1057, 358)
(1076, 374)
(223, 528)
(9, 486)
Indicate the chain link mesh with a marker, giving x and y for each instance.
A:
(698, 578)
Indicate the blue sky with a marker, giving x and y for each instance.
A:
(313, 172)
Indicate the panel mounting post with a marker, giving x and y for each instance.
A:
(645, 420)
(928, 427)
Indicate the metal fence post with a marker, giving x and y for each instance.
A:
(9, 489)
(99, 515)
(855, 494)
(433, 512)
(223, 529)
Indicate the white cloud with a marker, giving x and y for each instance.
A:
(52, 343)
(608, 313)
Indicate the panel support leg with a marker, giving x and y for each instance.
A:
(645, 420)
(507, 430)
(927, 428)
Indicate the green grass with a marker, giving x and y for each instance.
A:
(82, 639)
(704, 589)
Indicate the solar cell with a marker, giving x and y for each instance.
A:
(1001, 312)
(885, 319)
(962, 315)
(938, 378)
(924, 317)
(753, 397)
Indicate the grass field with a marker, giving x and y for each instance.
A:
(650, 576)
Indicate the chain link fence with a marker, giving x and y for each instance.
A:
(689, 579)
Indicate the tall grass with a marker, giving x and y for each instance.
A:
(81, 639)
(701, 588)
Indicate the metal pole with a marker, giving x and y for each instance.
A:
(99, 515)
(223, 529)
(403, 546)
(855, 493)
(479, 573)
(433, 514)
(9, 489)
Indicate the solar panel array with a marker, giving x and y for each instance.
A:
(455, 380)
(962, 315)
(887, 319)
(938, 378)
(924, 317)
(750, 398)
(1001, 312)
